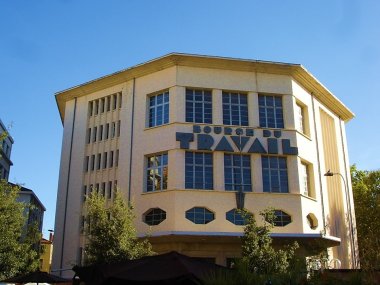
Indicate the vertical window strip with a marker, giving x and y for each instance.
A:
(117, 158)
(299, 118)
(94, 134)
(104, 160)
(103, 189)
(120, 99)
(111, 159)
(198, 106)
(102, 107)
(90, 108)
(198, 170)
(87, 163)
(270, 111)
(108, 101)
(118, 128)
(99, 160)
(275, 174)
(237, 172)
(92, 162)
(101, 133)
(159, 109)
(96, 107)
(305, 179)
(235, 109)
(88, 135)
(109, 196)
(114, 100)
(157, 172)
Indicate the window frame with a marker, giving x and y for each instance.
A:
(194, 214)
(264, 118)
(230, 108)
(279, 220)
(161, 216)
(269, 171)
(159, 166)
(234, 171)
(232, 216)
(155, 106)
(192, 167)
(193, 104)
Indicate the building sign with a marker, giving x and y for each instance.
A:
(252, 140)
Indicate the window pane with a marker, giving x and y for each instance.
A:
(199, 170)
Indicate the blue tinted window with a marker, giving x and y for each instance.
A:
(199, 215)
(274, 174)
(281, 218)
(237, 172)
(154, 216)
(270, 112)
(236, 217)
(198, 106)
(235, 109)
(159, 109)
(198, 170)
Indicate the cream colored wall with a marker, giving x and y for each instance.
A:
(146, 141)
(160, 139)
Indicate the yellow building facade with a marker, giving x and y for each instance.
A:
(190, 139)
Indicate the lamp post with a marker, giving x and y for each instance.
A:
(329, 173)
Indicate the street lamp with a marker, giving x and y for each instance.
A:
(328, 174)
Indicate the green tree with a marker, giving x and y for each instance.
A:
(18, 242)
(366, 191)
(258, 251)
(111, 235)
(18, 251)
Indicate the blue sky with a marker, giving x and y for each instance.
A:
(47, 46)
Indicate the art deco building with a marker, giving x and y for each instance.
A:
(190, 139)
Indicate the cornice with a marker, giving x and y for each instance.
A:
(297, 71)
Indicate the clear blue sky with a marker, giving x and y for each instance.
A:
(47, 46)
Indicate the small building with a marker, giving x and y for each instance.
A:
(46, 253)
(190, 139)
(35, 211)
(5, 153)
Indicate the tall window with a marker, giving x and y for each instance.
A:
(93, 162)
(110, 161)
(237, 172)
(235, 109)
(113, 129)
(95, 130)
(270, 111)
(107, 131)
(120, 99)
(90, 108)
(88, 135)
(275, 174)
(159, 109)
(102, 105)
(114, 101)
(300, 118)
(101, 132)
(199, 170)
(157, 172)
(305, 180)
(198, 106)
(98, 161)
(104, 160)
(96, 107)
